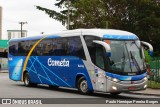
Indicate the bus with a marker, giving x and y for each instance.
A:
(91, 60)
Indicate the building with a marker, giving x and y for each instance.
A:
(0, 22)
(16, 34)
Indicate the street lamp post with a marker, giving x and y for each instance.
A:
(68, 18)
(22, 23)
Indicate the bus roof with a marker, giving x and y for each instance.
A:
(109, 33)
(103, 33)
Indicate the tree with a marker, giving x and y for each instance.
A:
(141, 17)
(83, 13)
(89, 14)
(62, 15)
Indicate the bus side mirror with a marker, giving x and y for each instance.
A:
(150, 47)
(105, 45)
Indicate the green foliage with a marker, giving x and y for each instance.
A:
(153, 84)
(89, 14)
(148, 58)
(59, 16)
(53, 14)
(141, 17)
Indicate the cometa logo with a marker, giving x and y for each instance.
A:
(62, 63)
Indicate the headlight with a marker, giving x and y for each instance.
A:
(115, 80)
(145, 78)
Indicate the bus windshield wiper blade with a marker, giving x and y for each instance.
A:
(135, 61)
(123, 61)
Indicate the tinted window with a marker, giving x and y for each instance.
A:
(13, 48)
(91, 46)
(99, 57)
(22, 48)
(75, 47)
(59, 47)
(30, 45)
(70, 46)
(43, 48)
(19, 48)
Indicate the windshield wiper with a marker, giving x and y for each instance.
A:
(128, 55)
(139, 53)
(135, 61)
(123, 61)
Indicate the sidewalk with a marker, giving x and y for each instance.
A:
(148, 91)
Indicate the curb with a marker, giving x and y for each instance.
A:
(3, 71)
(143, 94)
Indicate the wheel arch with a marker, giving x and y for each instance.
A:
(78, 76)
(23, 74)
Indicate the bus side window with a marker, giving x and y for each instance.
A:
(91, 46)
(13, 48)
(38, 50)
(99, 56)
(47, 46)
(21, 48)
(30, 45)
(59, 47)
(75, 47)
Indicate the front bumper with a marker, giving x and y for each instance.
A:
(124, 86)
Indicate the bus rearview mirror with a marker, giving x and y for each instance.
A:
(108, 54)
(106, 46)
(150, 51)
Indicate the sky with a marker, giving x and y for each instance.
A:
(15, 11)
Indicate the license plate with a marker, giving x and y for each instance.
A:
(131, 88)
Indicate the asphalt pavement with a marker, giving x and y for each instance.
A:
(13, 89)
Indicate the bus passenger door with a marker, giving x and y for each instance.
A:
(100, 68)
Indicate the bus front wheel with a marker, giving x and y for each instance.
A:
(83, 86)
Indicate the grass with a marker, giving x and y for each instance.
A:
(153, 85)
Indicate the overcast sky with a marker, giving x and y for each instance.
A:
(15, 11)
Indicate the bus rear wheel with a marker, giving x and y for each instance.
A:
(83, 86)
(27, 81)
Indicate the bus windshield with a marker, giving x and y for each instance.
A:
(126, 57)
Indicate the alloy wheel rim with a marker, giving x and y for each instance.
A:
(83, 86)
(26, 80)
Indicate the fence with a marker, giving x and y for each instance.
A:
(154, 74)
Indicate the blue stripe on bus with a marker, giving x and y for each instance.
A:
(120, 37)
(126, 78)
(41, 73)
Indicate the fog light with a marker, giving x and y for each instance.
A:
(145, 86)
(114, 88)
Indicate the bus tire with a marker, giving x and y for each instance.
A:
(83, 86)
(27, 81)
(115, 93)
